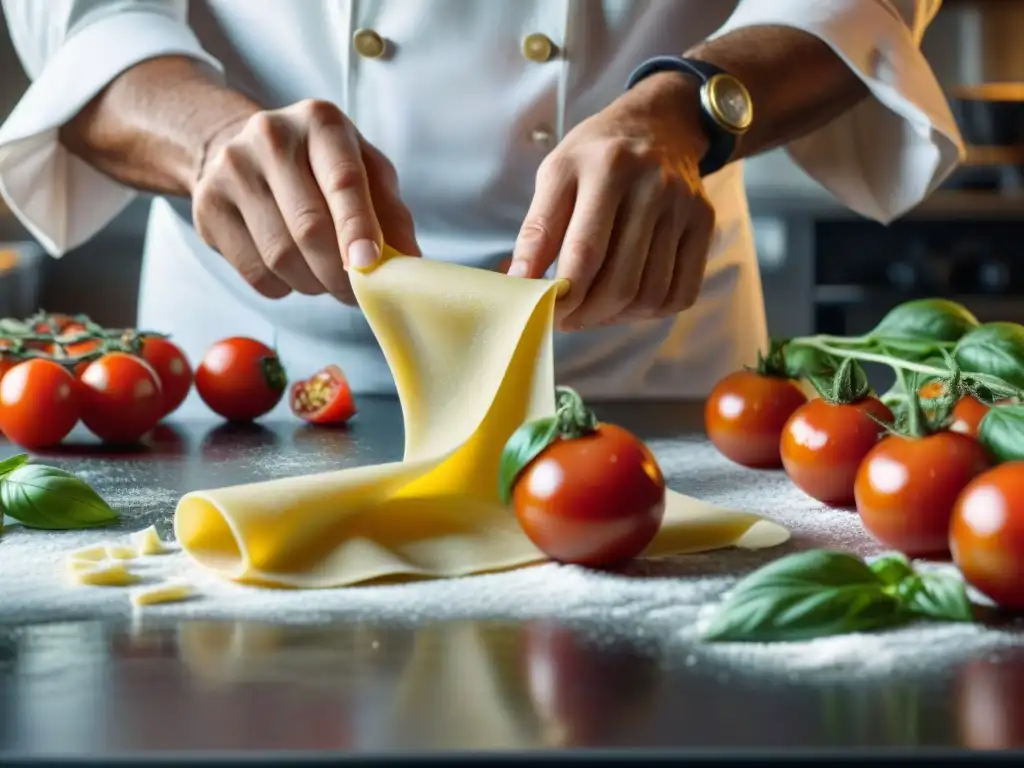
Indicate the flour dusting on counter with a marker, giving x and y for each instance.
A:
(656, 602)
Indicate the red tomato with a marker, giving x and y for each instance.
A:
(38, 403)
(240, 379)
(595, 500)
(172, 368)
(967, 413)
(745, 414)
(823, 444)
(121, 398)
(6, 363)
(906, 489)
(323, 398)
(986, 536)
(82, 347)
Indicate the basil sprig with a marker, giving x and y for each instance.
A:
(822, 592)
(53, 499)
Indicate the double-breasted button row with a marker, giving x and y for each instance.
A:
(536, 47)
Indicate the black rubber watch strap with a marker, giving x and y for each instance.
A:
(721, 143)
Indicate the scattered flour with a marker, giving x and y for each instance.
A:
(654, 602)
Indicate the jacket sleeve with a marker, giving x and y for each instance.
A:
(895, 148)
(71, 50)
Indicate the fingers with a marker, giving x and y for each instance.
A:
(544, 228)
(620, 276)
(226, 232)
(660, 265)
(392, 214)
(336, 160)
(585, 244)
(691, 259)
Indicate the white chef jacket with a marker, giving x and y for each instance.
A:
(466, 118)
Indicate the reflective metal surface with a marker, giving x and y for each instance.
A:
(103, 688)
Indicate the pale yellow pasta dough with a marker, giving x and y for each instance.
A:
(172, 591)
(147, 542)
(107, 573)
(121, 552)
(471, 353)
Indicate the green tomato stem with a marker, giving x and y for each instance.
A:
(870, 357)
(574, 418)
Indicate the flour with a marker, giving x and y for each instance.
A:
(657, 603)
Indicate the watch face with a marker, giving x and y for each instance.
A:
(732, 102)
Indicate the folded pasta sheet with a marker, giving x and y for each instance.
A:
(471, 353)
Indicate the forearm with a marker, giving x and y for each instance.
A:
(796, 82)
(150, 128)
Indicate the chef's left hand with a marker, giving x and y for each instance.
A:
(621, 204)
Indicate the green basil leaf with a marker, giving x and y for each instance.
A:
(805, 595)
(10, 464)
(1002, 431)
(926, 320)
(892, 568)
(936, 596)
(996, 349)
(523, 447)
(46, 497)
(807, 362)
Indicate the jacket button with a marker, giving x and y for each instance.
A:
(542, 135)
(368, 43)
(538, 47)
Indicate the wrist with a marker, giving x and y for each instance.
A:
(675, 96)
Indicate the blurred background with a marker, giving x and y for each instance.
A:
(825, 270)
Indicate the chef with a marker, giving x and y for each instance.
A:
(597, 140)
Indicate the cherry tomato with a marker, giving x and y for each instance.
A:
(594, 500)
(172, 368)
(6, 363)
(323, 398)
(79, 348)
(745, 414)
(967, 413)
(121, 398)
(986, 536)
(240, 379)
(823, 444)
(38, 403)
(906, 489)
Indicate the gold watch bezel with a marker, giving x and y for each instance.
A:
(710, 98)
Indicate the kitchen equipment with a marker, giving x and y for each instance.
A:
(20, 272)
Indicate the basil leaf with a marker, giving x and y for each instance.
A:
(522, 447)
(807, 362)
(891, 569)
(805, 595)
(926, 320)
(1002, 431)
(10, 464)
(936, 596)
(996, 349)
(46, 497)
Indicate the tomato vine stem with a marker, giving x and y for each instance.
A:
(575, 419)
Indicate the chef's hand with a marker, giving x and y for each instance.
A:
(293, 196)
(620, 203)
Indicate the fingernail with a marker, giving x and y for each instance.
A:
(517, 269)
(363, 254)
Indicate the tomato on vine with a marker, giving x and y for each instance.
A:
(825, 440)
(240, 379)
(584, 492)
(986, 537)
(746, 411)
(172, 368)
(121, 398)
(908, 484)
(38, 403)
(967, 413)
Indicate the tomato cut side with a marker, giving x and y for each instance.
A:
(906, 489)
(986, 536)
(324, 398)
(745, 414)
(595, 500)
(38, 403)
(823, 445)
(121, 398)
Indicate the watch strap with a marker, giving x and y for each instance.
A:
(721, 142)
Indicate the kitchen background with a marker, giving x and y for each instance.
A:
(824, 269)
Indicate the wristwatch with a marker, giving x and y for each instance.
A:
(726, 108)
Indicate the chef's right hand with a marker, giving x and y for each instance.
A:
(292, 197)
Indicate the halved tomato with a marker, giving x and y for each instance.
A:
(323, 398)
